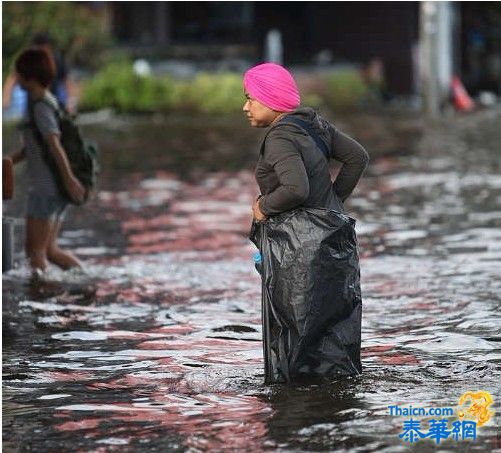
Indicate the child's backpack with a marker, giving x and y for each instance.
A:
(82, 155)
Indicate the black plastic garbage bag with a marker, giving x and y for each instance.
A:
(311, 299)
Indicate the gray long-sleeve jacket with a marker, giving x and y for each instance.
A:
(292, 171)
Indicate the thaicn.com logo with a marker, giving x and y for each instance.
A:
(460, 423)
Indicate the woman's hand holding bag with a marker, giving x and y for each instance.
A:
(256, 211)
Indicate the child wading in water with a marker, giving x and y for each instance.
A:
(47, 199)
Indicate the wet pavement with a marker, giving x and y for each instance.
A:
(157, 345)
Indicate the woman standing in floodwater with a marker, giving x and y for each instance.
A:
(311, 287)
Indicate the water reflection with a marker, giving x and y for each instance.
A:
(156, 346)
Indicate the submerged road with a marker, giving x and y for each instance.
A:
(156, 346)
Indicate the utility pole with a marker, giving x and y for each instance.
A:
(428, 58)
(436, 54)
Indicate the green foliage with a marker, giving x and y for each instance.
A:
(215, 93)
(118, 87)
(345, 89)
(313, 100)
(76, 28)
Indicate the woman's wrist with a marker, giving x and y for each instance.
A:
(258, 213)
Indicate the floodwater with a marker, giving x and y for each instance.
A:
(157, 345)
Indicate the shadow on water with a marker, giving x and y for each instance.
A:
(156, 345)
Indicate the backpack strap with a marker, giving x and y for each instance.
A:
(58, 108)
(31, 114)
(306, 128)
(49, 160)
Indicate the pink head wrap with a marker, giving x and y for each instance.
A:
(273, 86)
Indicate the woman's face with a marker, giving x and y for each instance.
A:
(258, 114)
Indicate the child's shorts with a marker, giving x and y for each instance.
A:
(49, 207)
